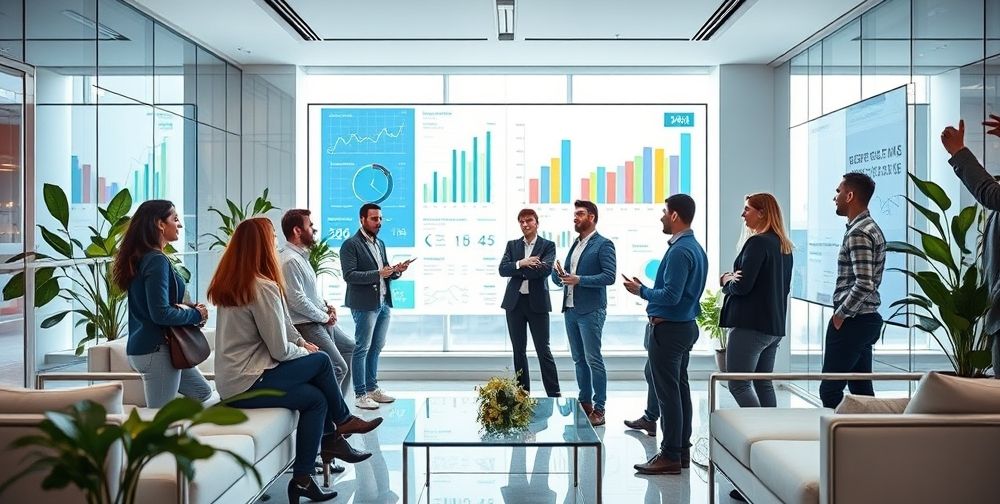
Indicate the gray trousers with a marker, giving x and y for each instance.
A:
(751, 351)
(162, 381)
(337, 344)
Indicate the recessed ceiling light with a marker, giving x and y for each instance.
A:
(244, 50)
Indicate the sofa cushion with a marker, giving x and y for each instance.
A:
(790, 469)
(937, 393)
(22, 400)
(266, 426)
(739, 428)
(859, 404)
(212, 477)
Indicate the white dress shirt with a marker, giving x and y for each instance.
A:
(574, 260)
(528, 248)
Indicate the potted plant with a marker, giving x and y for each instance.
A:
(79, 273)
(323, 258)
(708, 321)
(259, 206)
(954, 300)
(74, 445)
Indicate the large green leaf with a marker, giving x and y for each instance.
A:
(56, 203)
(931, 216)
(14, 287)
(926, 324)
(938, 250)
(980, 359)
(46, 292)
(55, 319)
(57, 242)
(960, 225)
(220, 415)
(119, 206)
(933, 192)
(932, 286)
(179, 409)
(904, 248)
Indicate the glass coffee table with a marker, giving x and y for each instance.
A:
(451, 422)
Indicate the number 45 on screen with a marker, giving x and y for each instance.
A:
(466, 240)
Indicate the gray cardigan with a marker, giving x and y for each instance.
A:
(253, 338)
(986, 190)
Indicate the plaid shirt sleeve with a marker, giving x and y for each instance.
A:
(861, 250)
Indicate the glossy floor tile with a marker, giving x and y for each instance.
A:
(504, 475)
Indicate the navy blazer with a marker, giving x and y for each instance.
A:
(538, 278)
(596, 271)
(152, 295)
(360, 271)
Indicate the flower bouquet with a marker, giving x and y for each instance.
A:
(504, 406)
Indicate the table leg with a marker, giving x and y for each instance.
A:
(600, 477)
(711, 481)
(576, 472)
(428, 482)
(406, 470)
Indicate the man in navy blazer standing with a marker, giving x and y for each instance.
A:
(367, 272)
(527, 262)
(585, 277)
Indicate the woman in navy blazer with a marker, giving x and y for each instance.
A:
(757, 300)
(155, 301)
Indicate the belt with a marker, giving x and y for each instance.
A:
(657, 321)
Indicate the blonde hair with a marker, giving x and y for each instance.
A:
(767, 205)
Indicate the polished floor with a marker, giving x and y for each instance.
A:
(517, 475)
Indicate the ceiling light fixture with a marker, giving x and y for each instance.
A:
(719, 18)
(293, 19)
(102, 30)
(505, 19)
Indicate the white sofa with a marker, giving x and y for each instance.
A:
(810, 456)
(266, 439)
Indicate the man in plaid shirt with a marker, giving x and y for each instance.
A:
(856, 324)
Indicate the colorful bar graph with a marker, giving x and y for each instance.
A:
(647, 178)
(562, 240)
(86, 183)
(612, 188)
(471, 171)
(659, 183)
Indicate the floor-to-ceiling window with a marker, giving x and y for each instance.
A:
(939, 50)
(123, 104)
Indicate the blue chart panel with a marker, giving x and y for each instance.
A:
(368, 158)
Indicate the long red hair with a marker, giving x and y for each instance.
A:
(251, 254)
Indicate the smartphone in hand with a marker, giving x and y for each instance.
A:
(559, 268)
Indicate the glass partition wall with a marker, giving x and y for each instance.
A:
(123, 104)
(945, 54)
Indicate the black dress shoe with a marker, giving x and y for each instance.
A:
(736, 496)
(334, 467)
(310, 491)
(335, 446)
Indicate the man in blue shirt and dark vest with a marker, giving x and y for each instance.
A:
(673, 303)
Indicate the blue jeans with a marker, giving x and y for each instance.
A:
(162, 381)
(332, 340)
(584, 335)
(311, 389)
(370, 328)
(849, 350)
(751, 351)
(669, 354)
(652, 412)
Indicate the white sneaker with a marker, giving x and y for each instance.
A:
(365, 402)
(380, 397)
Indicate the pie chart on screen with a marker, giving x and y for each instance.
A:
(651, 268)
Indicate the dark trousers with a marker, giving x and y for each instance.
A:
(669, 352)
(519, 319)
(310, 388)
(849, 350)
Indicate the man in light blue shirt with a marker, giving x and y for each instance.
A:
(313, 317)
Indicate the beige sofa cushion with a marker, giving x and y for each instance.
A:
(212, 477)
(267, 427)
(790, 469)
(111, 357)
(937, 393)
(859, 404)
(739, 428)
(22, 400)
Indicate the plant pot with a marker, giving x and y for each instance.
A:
(720, 360)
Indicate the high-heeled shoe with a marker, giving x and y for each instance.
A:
(310, 491)
(335, 446)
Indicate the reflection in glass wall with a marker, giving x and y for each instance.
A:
(937, 49)
(11, 223)
(118, 109)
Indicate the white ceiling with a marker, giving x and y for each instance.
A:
(464, 32)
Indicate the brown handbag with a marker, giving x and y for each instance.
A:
(188, 346)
